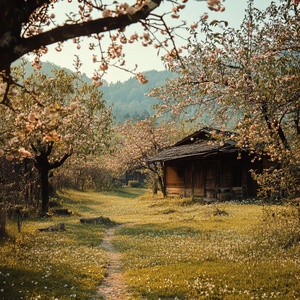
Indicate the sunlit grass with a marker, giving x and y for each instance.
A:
(171, 249)
(49, 265)
(190, 251)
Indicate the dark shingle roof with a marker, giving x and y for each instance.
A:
(204, 134)
(200, 149)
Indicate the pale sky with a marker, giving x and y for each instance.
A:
(146, 57)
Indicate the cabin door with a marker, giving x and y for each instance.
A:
(210, 180)
(205, 179)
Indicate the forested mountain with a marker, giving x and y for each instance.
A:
(47, 68)
(127, 98)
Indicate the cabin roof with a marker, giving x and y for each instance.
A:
(205, 133)
(202, 149)
(201, 144)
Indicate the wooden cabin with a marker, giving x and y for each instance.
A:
(204, 167)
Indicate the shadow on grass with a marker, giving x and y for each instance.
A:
(126, 192)
(81, 206)
(33, 284)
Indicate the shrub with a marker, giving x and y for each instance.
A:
(279, 227)
(134, 184)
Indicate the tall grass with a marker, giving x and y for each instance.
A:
(171, 249)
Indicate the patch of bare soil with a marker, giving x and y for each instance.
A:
(113, 287)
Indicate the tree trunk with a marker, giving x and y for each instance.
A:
(154, 187)
(161, 185)
(42, 164)
(44, 189)
(82, 184)
(2, 222)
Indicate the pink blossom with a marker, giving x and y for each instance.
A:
(204, 17)
(9, 157)
(24, 153)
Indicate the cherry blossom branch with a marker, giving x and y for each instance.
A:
(70, 31)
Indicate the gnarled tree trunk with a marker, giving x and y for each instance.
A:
(44, 166)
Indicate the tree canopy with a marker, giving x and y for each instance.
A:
(53, 118)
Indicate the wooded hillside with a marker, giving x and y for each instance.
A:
(127, 98)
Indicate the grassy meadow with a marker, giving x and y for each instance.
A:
(171, 249)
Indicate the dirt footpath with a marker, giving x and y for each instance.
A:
(113, 286)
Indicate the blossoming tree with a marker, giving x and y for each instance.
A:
(135, 142)
(72, 120)
(249, 76)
